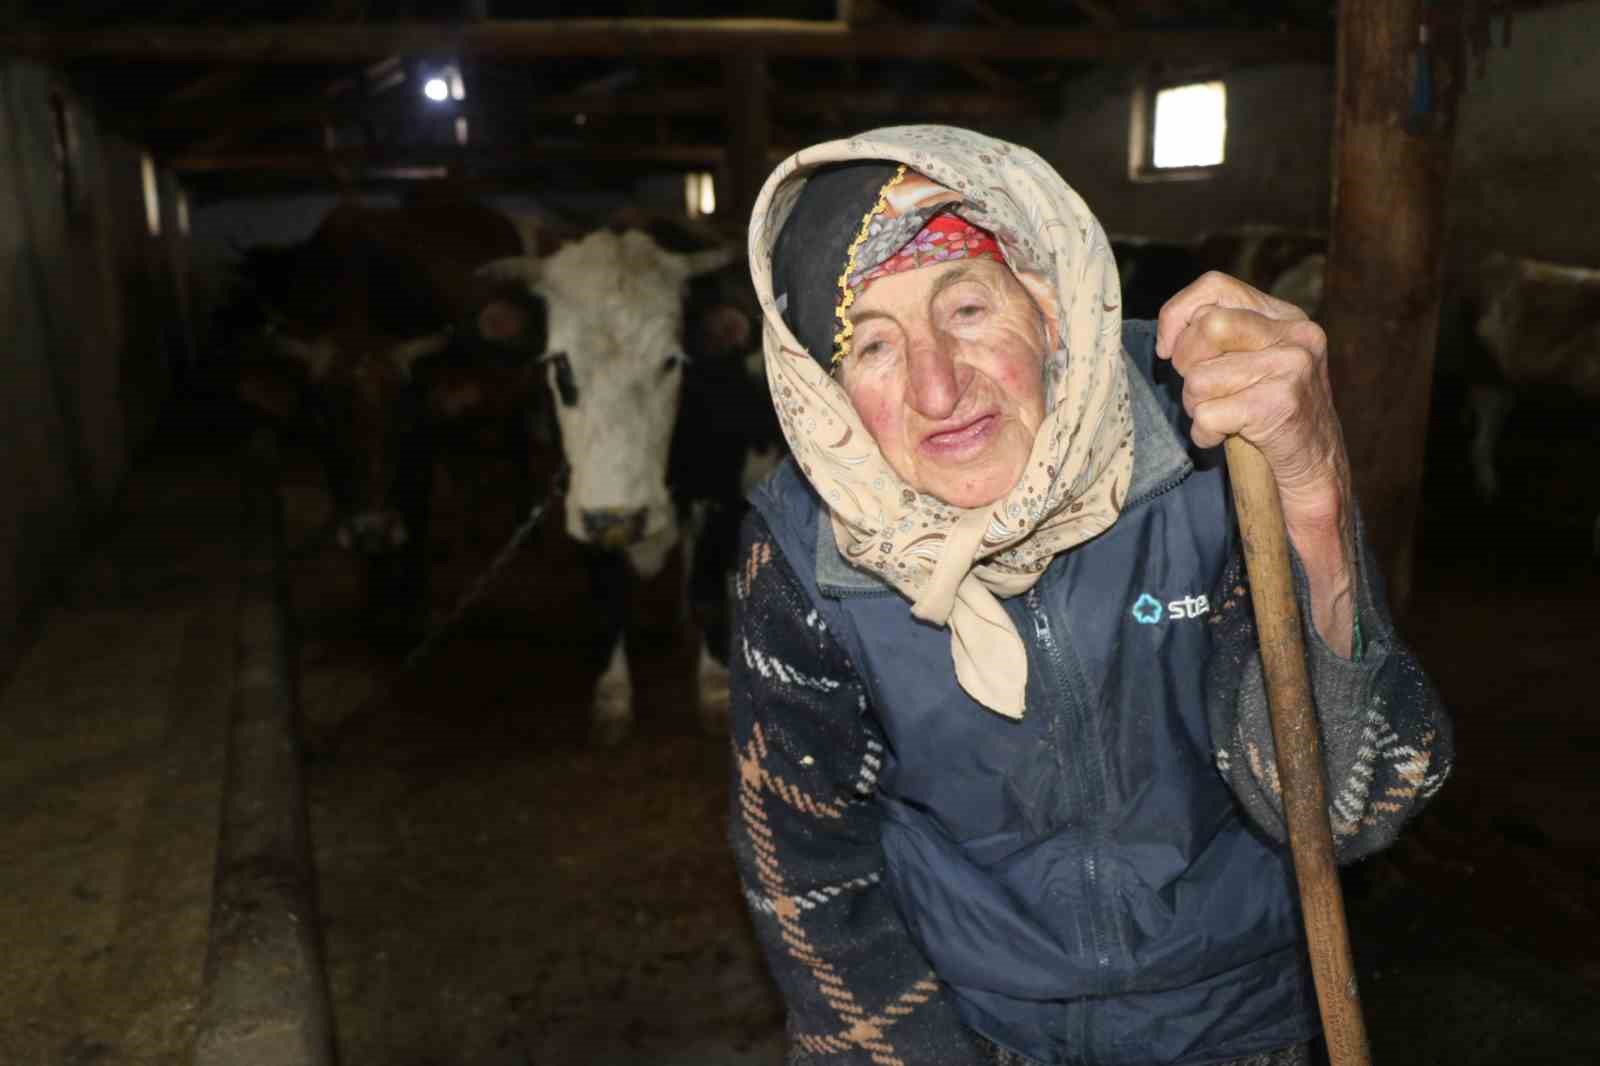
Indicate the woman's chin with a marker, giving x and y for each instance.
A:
(975, 488)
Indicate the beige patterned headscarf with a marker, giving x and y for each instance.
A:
(950, 562)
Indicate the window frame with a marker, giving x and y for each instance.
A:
(1142, 129)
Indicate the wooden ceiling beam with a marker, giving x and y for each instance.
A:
(313, 163)
(261, 114)
(222, 81)
(1100, 13)
(314, 42)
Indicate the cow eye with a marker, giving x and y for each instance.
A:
(566, 384)
(674, 361)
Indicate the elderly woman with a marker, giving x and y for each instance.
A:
(1004, 785)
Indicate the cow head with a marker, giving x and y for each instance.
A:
(357, 394)
(614, 362)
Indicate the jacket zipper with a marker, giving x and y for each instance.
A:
(1084, 775)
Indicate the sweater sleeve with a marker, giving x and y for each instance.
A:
(1387, 742)
(805, 835)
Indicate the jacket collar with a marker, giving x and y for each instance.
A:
(1159, 461)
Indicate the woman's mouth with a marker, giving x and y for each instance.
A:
(963, 440)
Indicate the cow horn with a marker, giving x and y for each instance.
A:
(405, 355)
(523, 268)
(707, 261)
(314, 357)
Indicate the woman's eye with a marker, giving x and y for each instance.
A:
(969, 310)
(872, 348)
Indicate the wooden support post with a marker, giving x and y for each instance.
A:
(749, 135)
(1396, 100)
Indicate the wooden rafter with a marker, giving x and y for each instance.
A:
(645, 37)
(983, 73)
(313, 163)
(1099, 12)
(210, 85)
(668, 103)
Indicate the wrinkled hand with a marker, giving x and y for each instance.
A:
(1257, 367)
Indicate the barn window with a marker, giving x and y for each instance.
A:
(152, 195)
(1179, 131)
(699, 194)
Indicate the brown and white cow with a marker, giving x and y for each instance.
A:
(354, 314)
(641, 326)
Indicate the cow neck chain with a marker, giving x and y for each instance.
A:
(481, 585)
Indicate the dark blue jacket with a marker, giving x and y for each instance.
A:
(1084, 882)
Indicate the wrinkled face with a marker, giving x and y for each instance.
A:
(946, 372)
(615, 368)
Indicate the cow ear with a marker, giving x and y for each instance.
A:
(697, 263)
(405, 356)
(269, 390)
(523, 268)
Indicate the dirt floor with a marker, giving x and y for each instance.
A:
(496, 891)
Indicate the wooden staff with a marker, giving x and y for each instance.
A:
(1294, 733)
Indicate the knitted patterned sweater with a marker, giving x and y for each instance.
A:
(805, 824)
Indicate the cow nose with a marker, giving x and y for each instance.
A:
(373, 532)
(614, 528)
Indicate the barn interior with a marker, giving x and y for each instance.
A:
(459, 872)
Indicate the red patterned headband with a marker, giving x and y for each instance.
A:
(946, 237)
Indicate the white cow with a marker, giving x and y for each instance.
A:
(614, 361)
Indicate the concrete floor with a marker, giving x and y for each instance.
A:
(111, 734)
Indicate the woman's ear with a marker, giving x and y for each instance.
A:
(1043, 294)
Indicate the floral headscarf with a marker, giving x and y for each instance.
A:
(951, 562)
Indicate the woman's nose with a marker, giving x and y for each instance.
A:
(936, 378)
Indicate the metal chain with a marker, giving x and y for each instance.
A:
(476, 590)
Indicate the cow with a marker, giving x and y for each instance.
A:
(1302, 284)
(1509, 325)
(359, 319)
(1152, 270)
(1539, 325)
(1257, 255)
(645, 332)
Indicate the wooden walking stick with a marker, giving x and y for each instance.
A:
(1294, 733)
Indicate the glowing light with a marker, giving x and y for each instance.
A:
(152, 195)
(436, 89)
(699, 194)
(1191, 125)
(461, 129)
(183, 213)
(458, 88)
